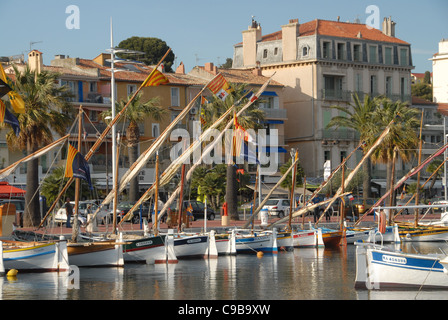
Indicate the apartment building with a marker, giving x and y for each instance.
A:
(322, 63)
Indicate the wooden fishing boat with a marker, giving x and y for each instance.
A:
(332, 239)
(308, 239)
(96, 254)
(422, 233)
(248, 242)
(225, 243)
(379, 268)
(34, 256)
(190, 247)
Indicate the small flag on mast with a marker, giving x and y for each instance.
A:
(155, 79)
(220, 87)
(14, 98)
(77, 166)
(7, 117)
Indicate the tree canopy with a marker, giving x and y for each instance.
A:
(153, 48)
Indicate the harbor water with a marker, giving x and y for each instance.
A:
(301, 274)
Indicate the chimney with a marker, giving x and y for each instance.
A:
(180, 69)
(389, 27)
(210, 67)
(250, 38)
(257, 70)
(35, 61)
(290, 33)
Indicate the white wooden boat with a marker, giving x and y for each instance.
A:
(96, 254)
(380, 268)
(308, 239)
(266, 242)
(285, 240)
(190, 246)
(34, 256)
(149, 249)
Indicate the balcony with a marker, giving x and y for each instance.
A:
(274, 113)
(337, 95)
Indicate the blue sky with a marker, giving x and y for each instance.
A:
(201, 31)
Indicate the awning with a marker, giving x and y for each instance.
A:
(8, 191)
(269, 93)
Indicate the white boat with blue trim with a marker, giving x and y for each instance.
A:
(380, 268)
(34, 256)
(264, 241)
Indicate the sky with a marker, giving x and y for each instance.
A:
(200, 31)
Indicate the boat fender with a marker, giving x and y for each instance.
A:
(382, 222)
(12, 273)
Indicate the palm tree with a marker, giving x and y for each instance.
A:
(360, 120)
(136, 112)
(46, 110)
(251, 119)
(402, 136)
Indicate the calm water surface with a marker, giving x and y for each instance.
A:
(303, 274)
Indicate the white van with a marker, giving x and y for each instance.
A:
(278, 207)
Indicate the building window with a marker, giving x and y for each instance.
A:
(275, 51)
(327, 155)
(358, 84)
(93, 87)
(305, 51)
(175, 97)
(155, 130)
(333, 88)
(388, 55)
(93, 115)
(265, 53)
(403, 57)
(71, 85)
(357, 52)
(326, 49)
(341, 51)
(404, 89)
(373, 56)
(373, 86)
(131, 89)
(388, 86)
(343, 155)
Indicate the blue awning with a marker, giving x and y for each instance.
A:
(269, 93)
(274, 149)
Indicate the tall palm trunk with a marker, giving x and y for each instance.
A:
(231, 192)
(366, 184)
(31, 215)
(133, 136)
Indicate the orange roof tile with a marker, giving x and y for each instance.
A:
(337, 29)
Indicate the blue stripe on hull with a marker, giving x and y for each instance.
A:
(407, 262)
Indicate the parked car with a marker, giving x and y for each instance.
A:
(198, 209)
(277, 207)
(440, 202)
(124, 207)
(101, 216)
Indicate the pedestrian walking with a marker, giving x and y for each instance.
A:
(69, 212)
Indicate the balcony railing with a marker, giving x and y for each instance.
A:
(274, 113)
(344, 95)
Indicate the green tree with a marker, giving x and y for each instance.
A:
(422, 90)
(153, 48)
(228, 64)
(287, 183)
(135, 113)
(53, 183)
(359, 118)
(46, 111)
(210, 182)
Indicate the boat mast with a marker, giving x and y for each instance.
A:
(77, 183)
(115, 174)
(156, 196)
(418, 174)
(296, 156)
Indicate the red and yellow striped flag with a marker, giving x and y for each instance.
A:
(155, 79)
(220, 87)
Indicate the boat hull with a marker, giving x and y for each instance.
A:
(305, 239)
(191, 247)
(145, 250)
(95, 254)
(35, 257)
(332, 239)
(247, 243)
(385, 269)
(429, 234)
